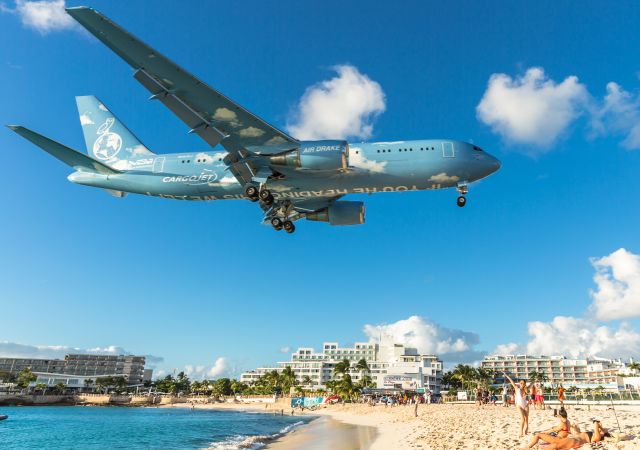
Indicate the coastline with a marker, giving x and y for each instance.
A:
(437, 427)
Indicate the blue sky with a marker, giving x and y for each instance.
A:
(194, 282)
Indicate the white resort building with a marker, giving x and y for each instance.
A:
(581, 373)
(391, 366)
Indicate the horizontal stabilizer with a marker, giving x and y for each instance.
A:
(65, 154)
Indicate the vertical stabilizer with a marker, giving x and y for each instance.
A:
(108, 139)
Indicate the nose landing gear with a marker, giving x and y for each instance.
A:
(462, 189)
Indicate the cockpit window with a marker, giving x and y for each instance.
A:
(478, 149)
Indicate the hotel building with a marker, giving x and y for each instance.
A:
(581, 373)
(391, 366)
(75, 368)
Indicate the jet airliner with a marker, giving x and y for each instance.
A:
(249, 159)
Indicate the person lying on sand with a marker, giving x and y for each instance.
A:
(598, 434)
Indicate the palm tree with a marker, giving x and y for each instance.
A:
(42, 387)
(342, 367)
(363, 367)
(307, 381)
(634, 366)
(88, 382)
(465, 374)
(60, 388)
(288, 379)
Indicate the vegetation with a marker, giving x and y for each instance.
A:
(466, 377)
(25, 377)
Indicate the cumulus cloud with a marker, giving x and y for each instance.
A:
(429, 338)
(617, 278)
(531, 109)
(341, 107)
(286, 349)
(220, 368)
(44, 16)
(17, 350)
(617, 296)
(357, 159)
(444, 178)
(618, 114)
(578, 337)
(85, 119)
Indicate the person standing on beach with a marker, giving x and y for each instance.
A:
(561, 396)
(520, 400)
(505, 396)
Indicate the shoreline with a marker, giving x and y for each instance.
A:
(437, 427)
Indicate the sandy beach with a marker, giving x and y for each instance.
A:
(437, 427)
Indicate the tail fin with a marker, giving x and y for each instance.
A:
(108, 139)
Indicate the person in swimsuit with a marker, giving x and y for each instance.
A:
(555, 434)
(520, 400)
(598, 434)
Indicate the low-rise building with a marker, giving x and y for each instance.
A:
(391, 366)
(79, 367)
(581, 373)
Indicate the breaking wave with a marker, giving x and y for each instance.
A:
(252, 442)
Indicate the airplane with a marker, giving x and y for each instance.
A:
(290, 179)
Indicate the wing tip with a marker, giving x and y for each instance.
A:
(14, 127)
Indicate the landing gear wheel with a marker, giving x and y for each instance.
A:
(268, 201)
(288, 226)
(462, 200)
(276, 223)
(265, 194)
(252, 193)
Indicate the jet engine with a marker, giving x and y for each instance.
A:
(340, 213)
(315, 155)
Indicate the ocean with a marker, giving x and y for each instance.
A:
(84, 427)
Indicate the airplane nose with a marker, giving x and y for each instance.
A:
(495, 164)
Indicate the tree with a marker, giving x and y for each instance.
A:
(222, 386)
(25, 377)
(307, 381)
(288, 378)
(633, 366)
(465, 374)
(60, 388)
(342, 367)
(42, 387)
(450, 381)
(88, 382)
(363, 367)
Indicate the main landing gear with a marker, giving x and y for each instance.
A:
(279, 224)
(254, 195)
(462, 189)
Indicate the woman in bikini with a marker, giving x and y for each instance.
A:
(555, 434)
(598, 434)
(520, 400)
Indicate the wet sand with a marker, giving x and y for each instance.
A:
(326, 433)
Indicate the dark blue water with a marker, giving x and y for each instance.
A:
(81, 427)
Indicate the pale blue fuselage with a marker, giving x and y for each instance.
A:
(373, 167)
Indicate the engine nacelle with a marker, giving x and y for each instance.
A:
(340, 213)
(316, 155)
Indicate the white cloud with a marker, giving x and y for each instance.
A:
(286, 349)
(220, 368)
(357, 159)
(617, 297)
(429, 338)
(618, 286)
(16, 350)
(86, 120)
(44, 16)
(579, 337)
(531, 109)
(619, 114)
(444, 178)
(344, 106)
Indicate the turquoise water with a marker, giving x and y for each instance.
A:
(82, 427)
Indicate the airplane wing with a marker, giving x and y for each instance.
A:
(65, 154)
(207, 112)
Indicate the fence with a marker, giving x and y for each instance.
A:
(570, 397)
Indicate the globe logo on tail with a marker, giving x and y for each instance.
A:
(108, 144)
